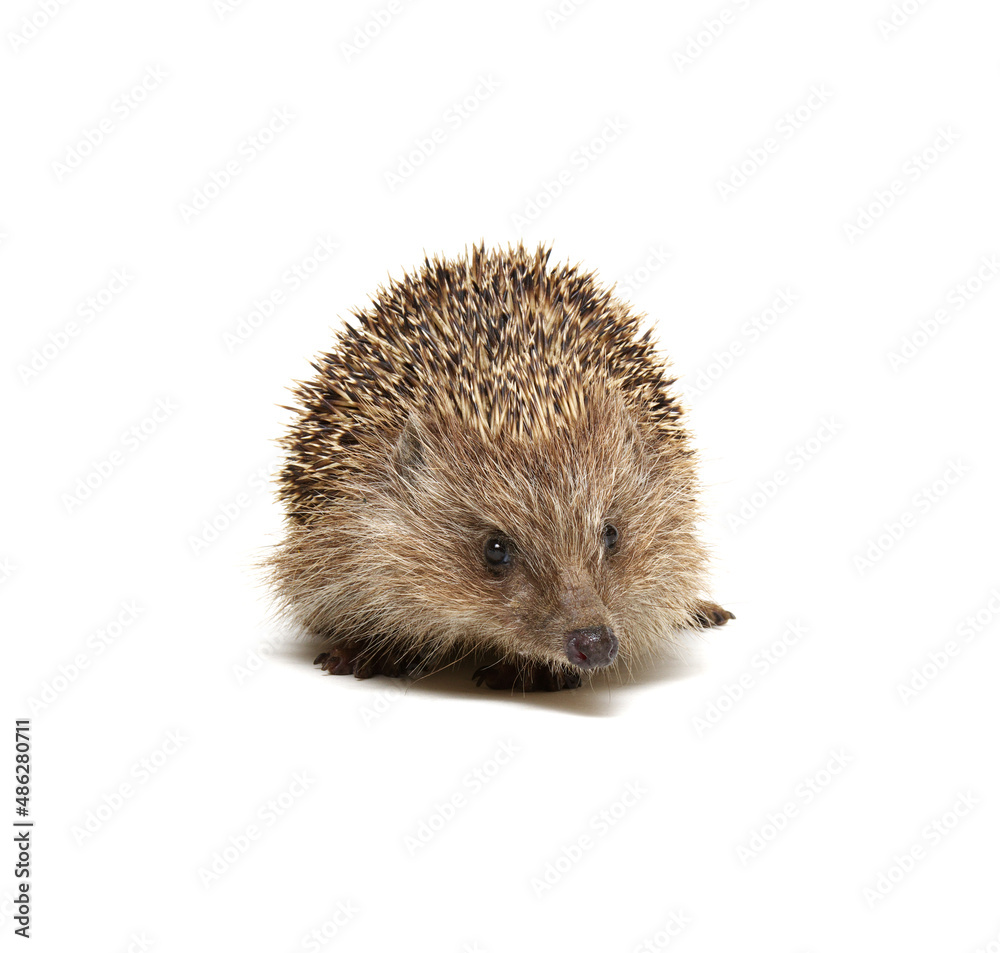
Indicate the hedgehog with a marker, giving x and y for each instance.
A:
(491, 462)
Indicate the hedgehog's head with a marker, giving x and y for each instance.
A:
(571, 547)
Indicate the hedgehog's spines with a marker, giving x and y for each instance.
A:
(450, 339)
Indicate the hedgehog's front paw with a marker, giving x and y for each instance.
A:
(355, 657)
(338, 661)
(707, 614)
(529, 678)
(544, 679)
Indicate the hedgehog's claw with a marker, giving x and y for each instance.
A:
(337, 662)
(353, 657)
(708, 614)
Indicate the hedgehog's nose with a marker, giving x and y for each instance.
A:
(593, 647)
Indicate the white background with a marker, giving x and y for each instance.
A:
(849, 448)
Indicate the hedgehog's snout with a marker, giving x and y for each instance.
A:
(593, 647)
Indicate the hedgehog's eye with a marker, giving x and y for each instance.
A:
(497, 551)
(610, 537)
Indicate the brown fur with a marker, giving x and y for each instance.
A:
(487, 396)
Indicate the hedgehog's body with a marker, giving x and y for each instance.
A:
(492, 462)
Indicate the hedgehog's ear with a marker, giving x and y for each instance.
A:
(410, 451)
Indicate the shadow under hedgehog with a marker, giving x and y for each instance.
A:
(490, 461)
